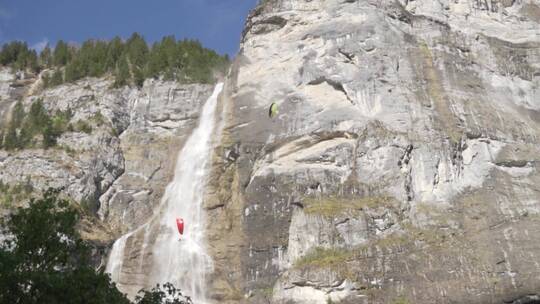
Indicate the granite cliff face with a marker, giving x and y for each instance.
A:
(403, 166)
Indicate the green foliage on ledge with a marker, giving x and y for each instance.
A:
(338, 258)
(39, 129)
(35, 128)
(331, 206)
(15, 193)
(325, 258)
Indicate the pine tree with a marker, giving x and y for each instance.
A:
(32, 62)
(22, 56)
(114, 52)
(156, 62)
(17, 115)
(49, 135)
(185, 60)
(57, 78)
(138, 77)
(98, 63)
(122, 73)
(10, 140)
(137, 50)
(14, 54)
(26, 135)
(45, 57)
(61, 54)
(74, 70)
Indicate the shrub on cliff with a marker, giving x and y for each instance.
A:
(24, 128)
(44, 260)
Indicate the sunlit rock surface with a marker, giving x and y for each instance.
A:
(119, 170)
(403, 166)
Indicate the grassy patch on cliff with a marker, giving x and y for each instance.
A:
(336, 258)
(325, 258)
(267, 292)
(333, 258)
(38, 128)
(331, 206)
(401, 300)
(10, 194)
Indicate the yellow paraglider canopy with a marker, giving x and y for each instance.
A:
(273, 111)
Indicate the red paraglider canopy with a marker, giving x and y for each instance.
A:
(180, 225)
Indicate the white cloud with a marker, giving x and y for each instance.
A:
(39, 46)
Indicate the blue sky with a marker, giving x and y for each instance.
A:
(216, 23)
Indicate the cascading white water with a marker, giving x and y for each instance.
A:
(183, 261)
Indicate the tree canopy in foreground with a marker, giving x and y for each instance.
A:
(44, 260)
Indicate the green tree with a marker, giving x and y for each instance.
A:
(74, 70)
(8, 54)
(45, 57)
(156, 61)
(98, 62)
(17, 55)
(61, 54)
(57, 78)
(138, 76)
(32, 62)
(167, 294)
(49, 135)
(131, 61)
(114, 52)
(37, 122)
(11, 140)
(44, 260)
(38, 118)
(14, 52)
(122, 73)
(137, 50)
(18, 121)
(25, 137)
(61, 121)
(17, 115)
(53, 80)
(91, 58)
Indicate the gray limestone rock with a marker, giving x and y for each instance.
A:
(119, 170)
(432, 105)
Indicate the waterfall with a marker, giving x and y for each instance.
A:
(182, 261)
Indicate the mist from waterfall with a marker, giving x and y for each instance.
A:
(182, 261)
